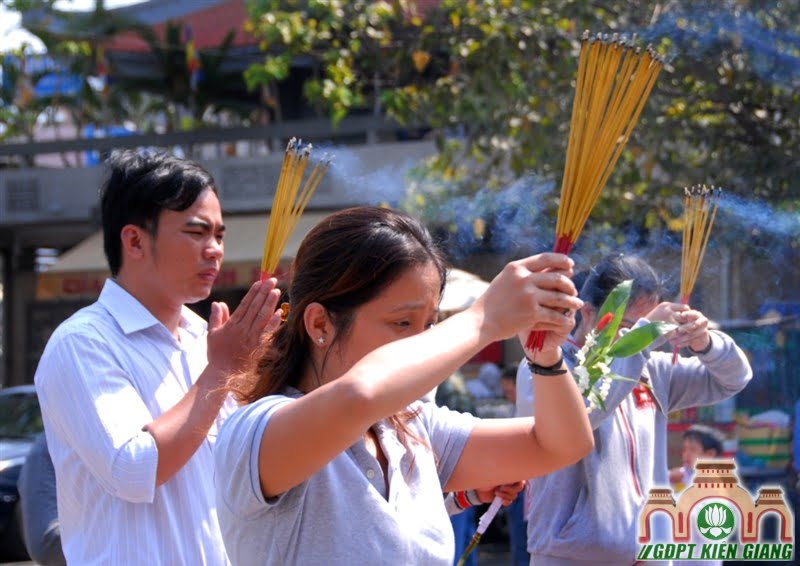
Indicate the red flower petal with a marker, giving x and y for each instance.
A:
(604, 321)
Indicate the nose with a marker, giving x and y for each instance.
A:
(215, 249)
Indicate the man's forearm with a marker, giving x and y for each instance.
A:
(181, 430)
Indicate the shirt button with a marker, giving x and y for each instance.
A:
(370, 473)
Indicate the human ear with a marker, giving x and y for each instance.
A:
(318, 325)
(133, 241)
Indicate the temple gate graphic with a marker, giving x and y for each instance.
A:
(717, 479)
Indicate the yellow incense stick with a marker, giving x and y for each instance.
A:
(288, 204)
(699, 211)
(613, 83)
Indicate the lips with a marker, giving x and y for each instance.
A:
(209, 275)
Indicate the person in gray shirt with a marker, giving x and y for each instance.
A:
(332, 459)
(588, 513)
(37, 492)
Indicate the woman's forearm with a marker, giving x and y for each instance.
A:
(399, 373)
(562, 424)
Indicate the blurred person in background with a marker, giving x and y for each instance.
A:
(37, 495)
(517, 522)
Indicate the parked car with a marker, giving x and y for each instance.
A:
(20, 423)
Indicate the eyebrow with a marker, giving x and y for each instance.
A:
(195, 223)
(410, 307)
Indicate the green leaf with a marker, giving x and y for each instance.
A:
(617, 377)
(638, 339)
(615, 303)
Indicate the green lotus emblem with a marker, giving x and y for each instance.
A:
(715, 521)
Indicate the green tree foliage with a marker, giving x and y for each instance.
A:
(172, 81)
(74, 39)
(21, 110)
(494, 80)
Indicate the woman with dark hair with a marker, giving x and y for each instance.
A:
(332, 460)
(588, 513)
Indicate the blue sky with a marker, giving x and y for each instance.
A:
(12, 36)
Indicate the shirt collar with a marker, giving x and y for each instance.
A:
(132, 316)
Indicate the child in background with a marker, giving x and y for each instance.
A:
(699, 441)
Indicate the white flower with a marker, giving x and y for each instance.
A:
(604, 369)
(582, 378)
(591, 338)
(592, 404)
(581, 356)
(605, 387)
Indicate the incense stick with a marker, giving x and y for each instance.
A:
(699, 211)
(613, 83)
(483, 524)
(287, 204)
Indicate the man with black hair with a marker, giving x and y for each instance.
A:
(133, 387)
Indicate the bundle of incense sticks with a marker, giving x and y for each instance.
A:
(699, 210)
(289, 202)
(614, 80)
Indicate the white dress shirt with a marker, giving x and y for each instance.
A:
(106, 372)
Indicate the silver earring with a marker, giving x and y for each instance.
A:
(321, 340)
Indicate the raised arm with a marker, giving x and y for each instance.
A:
(323, 423)
(628, 367)
(89, 401)
(504, 450)
(705, 378)
(717, 370)
(231, 338)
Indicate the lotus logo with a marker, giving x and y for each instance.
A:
(715, 521)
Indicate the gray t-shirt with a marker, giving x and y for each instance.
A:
(342, 515)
